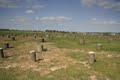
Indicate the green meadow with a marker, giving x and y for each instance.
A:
(65, 58)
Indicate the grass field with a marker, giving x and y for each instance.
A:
(65, 59)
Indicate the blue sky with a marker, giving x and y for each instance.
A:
(65, 15)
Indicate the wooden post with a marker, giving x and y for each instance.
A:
(1, 53)
(92, 57)
(6, 45)
(33, 54)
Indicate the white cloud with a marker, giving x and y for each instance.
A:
(94, 19)
(19, 19)
(29, 11)
(106, 4)
(104, 22)
(36, 18)
(88, 3)
(59, 18)
(38, 6)
(19, 4)
(9, 4)
(12, 19)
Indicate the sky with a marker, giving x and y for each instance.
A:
(64, 15)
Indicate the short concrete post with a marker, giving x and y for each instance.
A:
(33, 55)
(13, 38)
(40, 48)
(23, 36)
(42, 40)
(92, 57)
(110, 40)
(3, 35)
(8, 36)
(98, 46)
(1, 53)
(35, 37)
(82, 41)
(26, 35)
(6, 45)
(50, 37)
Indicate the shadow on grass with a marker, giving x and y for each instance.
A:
(7, 56)
(39, 60)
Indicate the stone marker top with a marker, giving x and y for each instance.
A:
(33, 51)
(1, 48)
(91, 52)
(99, 44)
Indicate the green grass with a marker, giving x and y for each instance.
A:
(109, 67)
(9, 74)
(17, 74)
(113, 46)
(103, 68)
(71, 73)
(90, 44)
(77, 56)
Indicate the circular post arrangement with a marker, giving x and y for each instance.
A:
(1, 53)
(92, 57)
(33, 55)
